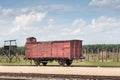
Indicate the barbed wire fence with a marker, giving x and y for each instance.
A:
(102, 55)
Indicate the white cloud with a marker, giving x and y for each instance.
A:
(105, 3)
(7, 11)
(2, 22)
(41, 8)
(19, 11)
(75, 28)
(44, 8)
(104, 24)
(50, 23)
(51, 20)
(78, 22)
(100, 3)
(23, 10)
(24, 21)
(59, 7)
(76, 31)
(99, 30)
(30, 9)
(65, 31)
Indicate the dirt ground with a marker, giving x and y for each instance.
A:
(100, 71)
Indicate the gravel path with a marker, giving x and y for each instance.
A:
(97, 71)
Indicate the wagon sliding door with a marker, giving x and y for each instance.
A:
(66, 49)
(54, 50)
(57, 50)
(61, 49)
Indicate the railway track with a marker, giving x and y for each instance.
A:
(36, 76)
(58, 73)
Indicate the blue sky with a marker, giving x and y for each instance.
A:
(93, 21)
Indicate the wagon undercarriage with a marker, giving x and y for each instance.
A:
(61, 62)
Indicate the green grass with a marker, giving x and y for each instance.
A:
(84, 63)
(14, 62)
(92, 64)
(103, 64)
(77, 64)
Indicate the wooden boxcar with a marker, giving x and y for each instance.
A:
(62, 51)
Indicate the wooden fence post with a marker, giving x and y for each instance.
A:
(102, 55)
(117, 54)
(113, 54)
(92, 55)
(98, 51)
(88, 54)
(106, 55)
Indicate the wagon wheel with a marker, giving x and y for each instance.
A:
(37, 62)
(44, 63)
(69, 62)
(61, 62)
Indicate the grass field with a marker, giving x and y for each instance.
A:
(77, 64)
(103, 64)
(23, 62)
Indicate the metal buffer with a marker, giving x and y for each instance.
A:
(10, 50)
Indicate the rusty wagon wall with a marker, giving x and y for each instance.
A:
(68, 49)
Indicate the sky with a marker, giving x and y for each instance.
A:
(93, 21)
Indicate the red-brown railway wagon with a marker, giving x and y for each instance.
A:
(62, 51)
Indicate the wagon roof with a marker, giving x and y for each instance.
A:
(61, 40)
(57, 40)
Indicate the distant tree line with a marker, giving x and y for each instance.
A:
(21, 50)
(100, 47)
(94, 48)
